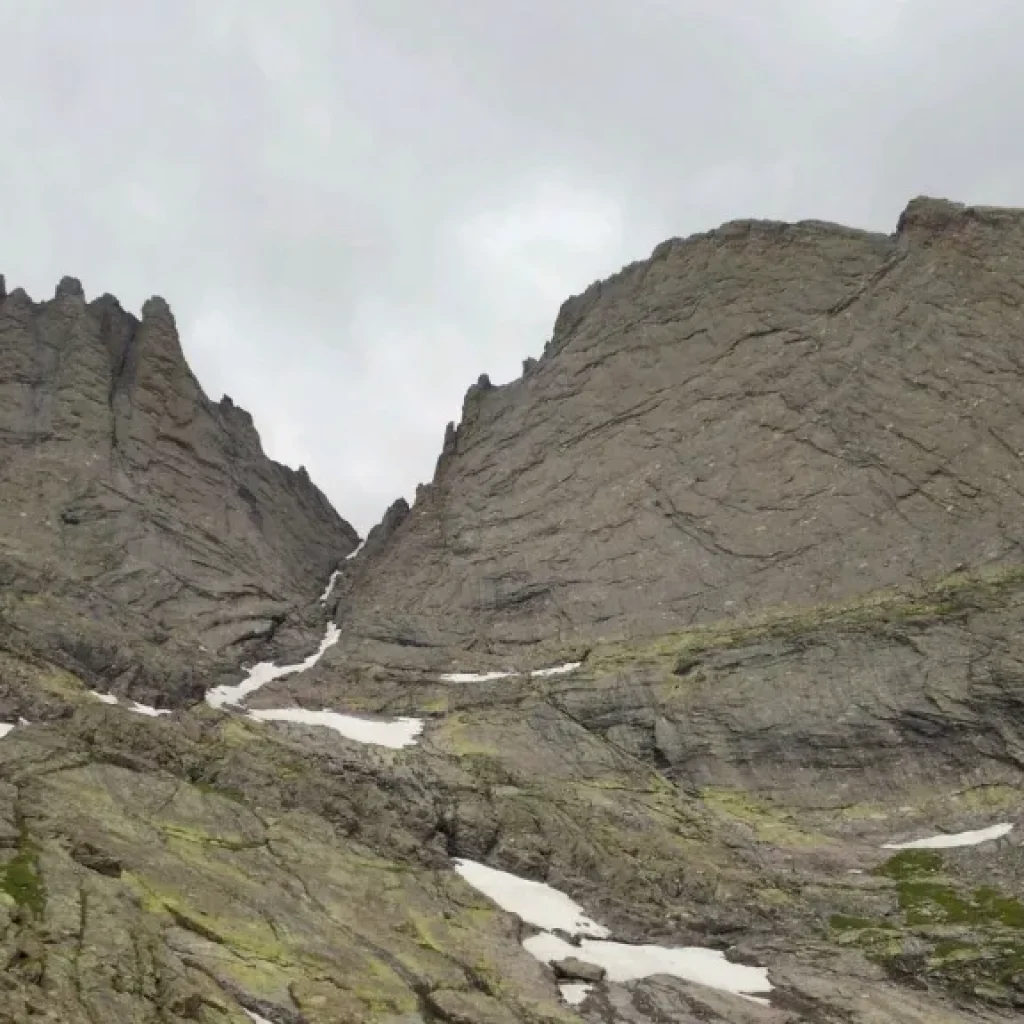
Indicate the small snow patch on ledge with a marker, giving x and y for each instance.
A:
(954, 839)
(139, 709)
(487, 677)
(575, 992)
(475, 677)
(5, 728)
(396, 734)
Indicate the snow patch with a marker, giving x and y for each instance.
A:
(352, 554)
(557, 670)
(329, 589)
(487, 677)
(146, 709)
(266, 672)
(954, 839)
(475, 677)
(574, 992)
(255, 1017)
(140, 709)
(398, 733)
(535, 902)
(624, 962)
(547, 908)
(5, 728)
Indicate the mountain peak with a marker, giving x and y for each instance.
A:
(122, 477)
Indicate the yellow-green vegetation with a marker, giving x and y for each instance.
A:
(197, 835)
(928, 804)
(943, 597)
(461, 737)
(41, 676)
(771, 824)
(926, 896)
(983, 948)
(286, 909)
(20, 878)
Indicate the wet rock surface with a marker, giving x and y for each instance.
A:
(764, 489)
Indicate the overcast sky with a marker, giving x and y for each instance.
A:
(355, 207)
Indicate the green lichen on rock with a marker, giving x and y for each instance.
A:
(21, 881)
(770, 824)
(940, 598)
(969, 940)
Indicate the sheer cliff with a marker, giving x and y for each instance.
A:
(135, 509)
(763, 415)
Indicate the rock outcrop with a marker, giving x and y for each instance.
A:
(700, 622)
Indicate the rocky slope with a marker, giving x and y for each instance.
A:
(760, 493)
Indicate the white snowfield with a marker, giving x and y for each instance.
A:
(624, 962)
(397, 733)
(547, 908)
(5, 728)
(954, 839)
(535, 902)
(266, 672)
(487, 677)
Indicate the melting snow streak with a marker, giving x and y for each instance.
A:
(948, 842)
(266, 672)
(487, 677)
(330, 585)
(139, 709)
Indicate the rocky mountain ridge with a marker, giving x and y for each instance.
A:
(705, 622)
(128, 495)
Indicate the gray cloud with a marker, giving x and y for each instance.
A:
(357, 207)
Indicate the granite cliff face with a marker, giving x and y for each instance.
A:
(148, 512)
(698, 621)
(764, 415)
